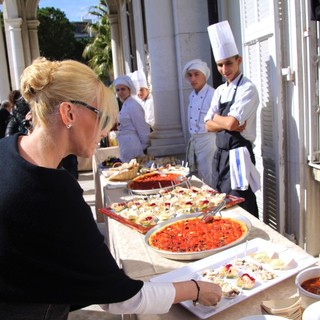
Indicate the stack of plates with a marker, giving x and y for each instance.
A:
(287, 308)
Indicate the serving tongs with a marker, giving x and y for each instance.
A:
(208, 216)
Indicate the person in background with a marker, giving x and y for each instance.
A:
(53, 258)
(20, 119)
(133, 131)
(201, 147)
(232, 116)
(70, 163)
(144, 96)
(5, 111)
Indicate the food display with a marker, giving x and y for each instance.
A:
(122, 171)
(143, 212)
(312, 285)
(194, 235)
(242, 273)
(110, 161)
(308, 278)
(188, 238)
(155, 181)
(238, 273)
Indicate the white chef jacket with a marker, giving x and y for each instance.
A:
(148, 108)
(133, 131)
(244, 108)
(198, 107)
(204, 145)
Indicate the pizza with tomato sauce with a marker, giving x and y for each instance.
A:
(155, 180)
(194, 235)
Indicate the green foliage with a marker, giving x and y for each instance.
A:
(56, 36)
(99, 51)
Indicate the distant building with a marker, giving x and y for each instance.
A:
(80, 31)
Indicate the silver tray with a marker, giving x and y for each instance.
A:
(198, 254)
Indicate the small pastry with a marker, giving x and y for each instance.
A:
(246, 281)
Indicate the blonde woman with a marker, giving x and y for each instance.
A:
(53, 258)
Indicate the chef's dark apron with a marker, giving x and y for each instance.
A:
(225, 141)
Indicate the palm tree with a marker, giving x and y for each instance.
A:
(99, 53)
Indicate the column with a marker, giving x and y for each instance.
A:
(33, 38)
(139, 37)
(167, 138)
(16, 50)
(4, 79)
(191, 42)
(117, 57)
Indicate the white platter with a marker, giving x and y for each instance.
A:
(263, 317)
(300, 262)
(312, 312)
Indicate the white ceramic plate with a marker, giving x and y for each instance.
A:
(301, 261)
(312, 312)
(263, 317)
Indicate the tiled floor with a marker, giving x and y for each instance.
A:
(93, 312)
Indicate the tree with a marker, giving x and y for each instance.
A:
(56, 36)
(99, 51)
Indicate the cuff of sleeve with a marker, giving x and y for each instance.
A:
(153, 298)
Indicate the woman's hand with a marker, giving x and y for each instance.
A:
(209, 294)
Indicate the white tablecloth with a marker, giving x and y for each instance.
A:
(140, 262)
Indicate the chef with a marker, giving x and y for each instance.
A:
(202, 145)
(144, 95)
(133, 131)
(232, 115)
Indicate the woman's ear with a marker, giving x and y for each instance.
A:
(66, 114)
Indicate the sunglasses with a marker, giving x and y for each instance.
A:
(93, 109)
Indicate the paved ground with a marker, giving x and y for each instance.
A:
(93, 312)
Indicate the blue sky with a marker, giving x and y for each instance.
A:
(74, 9)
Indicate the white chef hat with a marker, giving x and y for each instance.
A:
(139, 79)
(197, 64)
(126, 81)
(222, 41)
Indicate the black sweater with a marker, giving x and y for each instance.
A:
(51, 250)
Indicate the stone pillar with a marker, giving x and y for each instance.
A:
(4, 79)
(139, 37)
(16, 50)
(125, 36)
(191, 42)
(167, 137)
(33, 38)
(117, 57)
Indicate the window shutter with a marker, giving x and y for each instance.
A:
(260, 57)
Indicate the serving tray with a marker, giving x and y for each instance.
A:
(299, 261)
(196, 255)
(108, 211)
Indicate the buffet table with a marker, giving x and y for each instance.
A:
(141, 262)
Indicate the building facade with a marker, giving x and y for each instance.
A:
(279, 44)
